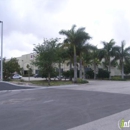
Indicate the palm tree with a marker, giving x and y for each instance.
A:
(82, 49)
(60, 58)
(86, 61)
(108, 51)
(95, 61)
(75, 37)
(69, 53)
(123, 55)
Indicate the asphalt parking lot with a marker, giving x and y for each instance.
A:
(7, 86)
(98, 105)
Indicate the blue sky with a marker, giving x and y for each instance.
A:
(27, 22)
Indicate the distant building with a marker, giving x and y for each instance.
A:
(28, 58)
(25, 60)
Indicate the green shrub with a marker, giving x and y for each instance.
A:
(127, 77)
(81, 80)
(21, 80)
(117, 78)
(69, 73)
(90, 74)
(103, 74)
(7, 79)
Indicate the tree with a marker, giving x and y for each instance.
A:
(123, 55)
(10, 67)
(46, 56)
(75, 37)
(108, 53)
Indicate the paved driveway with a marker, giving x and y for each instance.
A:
(98, 105)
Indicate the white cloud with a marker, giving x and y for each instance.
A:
(27, 22)
(17, 44)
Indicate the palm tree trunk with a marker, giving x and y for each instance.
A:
(75, 65)
(80, 68)
(122, 70)
(48, 79)
(109, 69)
(70, 65)
(94, 71)
(59, 71)
(84, 77)
(70, 70)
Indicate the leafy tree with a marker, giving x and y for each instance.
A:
(123, 55)
(46, 56)
(9, 67)
(75, 37)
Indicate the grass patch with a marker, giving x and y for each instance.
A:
(117, 78)
(81, 81)
(45, 82)
(42, 82)
(52, 83)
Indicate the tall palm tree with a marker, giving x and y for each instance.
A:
(95, 61)
(75, 37)
(123, 55)
(108, 50)
(82, 49)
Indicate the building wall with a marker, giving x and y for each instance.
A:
(25, 60)
(28, 58)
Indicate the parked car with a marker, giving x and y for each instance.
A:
(17, 76)
(61, 77)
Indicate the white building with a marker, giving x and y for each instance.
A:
(27, 59)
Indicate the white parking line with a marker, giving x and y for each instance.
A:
(48, 101)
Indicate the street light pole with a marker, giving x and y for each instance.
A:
(1, 50)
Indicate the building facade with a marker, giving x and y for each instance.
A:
(27, 59)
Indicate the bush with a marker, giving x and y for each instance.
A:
(81, 81)
(21, 80)
(103, 74)
(117, 78)
(90, 74)
(69, 73)
(44, 74)
(127, 77)
(7, 79)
